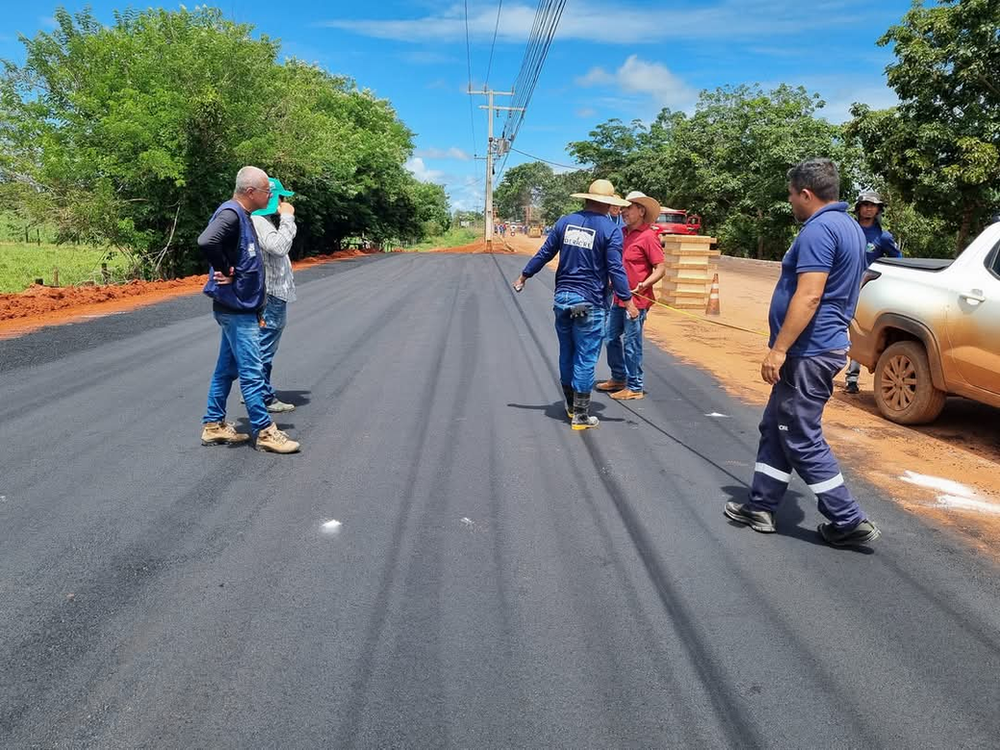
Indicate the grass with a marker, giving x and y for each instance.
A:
(21, 264)
(452, 238)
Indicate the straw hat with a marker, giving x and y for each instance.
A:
(601, 191)
(651, 205)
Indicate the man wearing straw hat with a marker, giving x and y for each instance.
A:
(589, 246)
(644, 265)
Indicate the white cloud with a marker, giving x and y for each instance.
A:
(591, 21)
(586, 112)
(644, 78)
(419, 170)
(440, 153)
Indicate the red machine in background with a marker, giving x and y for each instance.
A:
(672, 221)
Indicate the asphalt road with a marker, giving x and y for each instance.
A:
(497, 580)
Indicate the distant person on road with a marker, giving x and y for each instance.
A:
(589, 246)
(878, 244)
(276, 242)
(237, 287)
(644, 265)
(811, 307)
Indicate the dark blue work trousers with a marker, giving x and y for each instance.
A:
(791, 439)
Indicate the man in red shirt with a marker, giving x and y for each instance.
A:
(644, 265)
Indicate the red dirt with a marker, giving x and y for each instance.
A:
(39, 306)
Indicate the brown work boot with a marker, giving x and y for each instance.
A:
(610, 386)
(274, 440)
(216, 433)
(626, 395)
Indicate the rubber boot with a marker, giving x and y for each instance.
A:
(581, 412)
(568, 393)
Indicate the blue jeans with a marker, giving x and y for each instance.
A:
(239, 357)
(579, 341)
(270, 337)
(625, 357)
(791, 438)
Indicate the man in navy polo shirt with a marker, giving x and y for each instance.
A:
(810, 310)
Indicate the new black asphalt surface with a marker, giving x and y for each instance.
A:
(497, 580)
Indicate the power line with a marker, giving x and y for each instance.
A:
(496, 28)
(538, 158)
(468, 60)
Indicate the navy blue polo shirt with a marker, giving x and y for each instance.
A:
(880, 244)
(590, 253)
(832, 242)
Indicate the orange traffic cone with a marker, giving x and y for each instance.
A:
(713, 298)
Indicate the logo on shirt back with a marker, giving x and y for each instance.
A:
(579, 237)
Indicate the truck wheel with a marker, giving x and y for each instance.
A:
(904, 391)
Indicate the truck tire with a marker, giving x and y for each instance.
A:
(904, 390)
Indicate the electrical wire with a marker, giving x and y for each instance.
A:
(468, 60)
(538, 158)
(496, 28)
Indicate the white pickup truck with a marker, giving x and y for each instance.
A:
(930, 328)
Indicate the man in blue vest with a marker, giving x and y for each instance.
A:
(878, 244)
(236, 286)
(811, 307)
(589, 246)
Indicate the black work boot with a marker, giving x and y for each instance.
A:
(864, 532)
(581, 412)
(758, 520)
(568, 393)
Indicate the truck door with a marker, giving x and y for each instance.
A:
(974, 323)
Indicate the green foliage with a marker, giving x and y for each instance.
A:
(21, 264)
(131, 134)
(728, 161)
(453, 237)
(940, 147)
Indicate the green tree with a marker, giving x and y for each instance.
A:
(521, 186)
(130, 134)
(940, 147)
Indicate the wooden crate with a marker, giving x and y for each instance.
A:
(691, 262)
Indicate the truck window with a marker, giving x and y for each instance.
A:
(993, 261)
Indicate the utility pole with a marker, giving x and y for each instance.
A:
(495, 147)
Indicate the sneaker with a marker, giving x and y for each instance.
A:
(585, 422)
(274, 440)
(610, 386)
(627, 395)
(865, 531)
(279, 407)
(852, 388)
(758, 520)
(221, 433)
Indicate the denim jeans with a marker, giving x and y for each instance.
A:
(625, 356)
(791, 438)
(239, 357)
(579, 341)
(270, 337)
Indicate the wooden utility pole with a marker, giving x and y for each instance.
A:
(495, 147)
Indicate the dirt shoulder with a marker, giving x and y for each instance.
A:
(40, 306)
(949, 470)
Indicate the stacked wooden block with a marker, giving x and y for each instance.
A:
(691, 263)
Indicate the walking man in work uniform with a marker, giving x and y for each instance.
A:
(590, 254)
(878, 244)
(811, 307)
(229, 243)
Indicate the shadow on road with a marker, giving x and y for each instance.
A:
(295, 398)
(557, 410)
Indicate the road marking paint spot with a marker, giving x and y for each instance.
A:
(967, 503)
(332, 525)
(468, 522)
(953, 494)
(716, 415)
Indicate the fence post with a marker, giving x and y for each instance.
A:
(105, 275)
(55, 276)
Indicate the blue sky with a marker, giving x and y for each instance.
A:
(609, 59)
